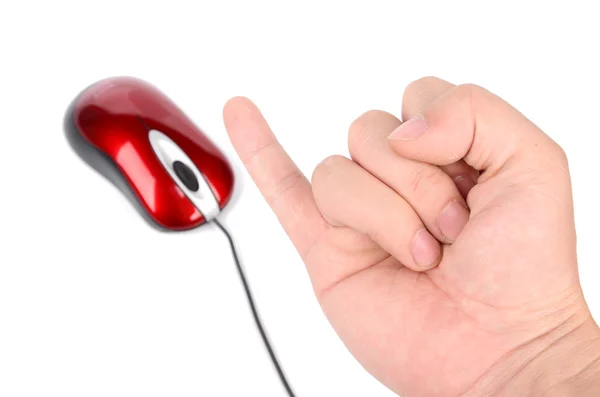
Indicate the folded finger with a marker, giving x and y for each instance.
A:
(352, 197)
(427, 188)
(418, 95)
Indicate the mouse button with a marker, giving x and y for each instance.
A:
(207, 157)
(139, 173)
(171, 127)
(183, 131)
(173, 210)
(91, 119)
(109, 132)
(221, 178)
(168, 153)
(91, 114)
(203, 153)
(214, 168)
(196, 146)
(160, 197)
(186, 175)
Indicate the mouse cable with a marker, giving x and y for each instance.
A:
(254, 310)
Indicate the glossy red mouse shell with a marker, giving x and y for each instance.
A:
(115, 116)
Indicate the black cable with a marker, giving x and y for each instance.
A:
(254, 311)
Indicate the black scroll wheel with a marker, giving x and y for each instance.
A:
(186, 175)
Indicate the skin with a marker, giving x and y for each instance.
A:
(443, 252)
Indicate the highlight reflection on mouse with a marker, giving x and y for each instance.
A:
(173, 175)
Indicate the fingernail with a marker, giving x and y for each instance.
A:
(425, 249)
(464, 184)
(410, 130)
(453, 220)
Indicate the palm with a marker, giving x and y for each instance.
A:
(456, 320)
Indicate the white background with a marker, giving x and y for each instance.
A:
(93, 302)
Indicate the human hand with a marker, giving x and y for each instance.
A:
(496, 308)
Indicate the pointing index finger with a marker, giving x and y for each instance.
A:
(287, 191)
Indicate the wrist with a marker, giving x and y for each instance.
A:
(562, 363)
(570, 366)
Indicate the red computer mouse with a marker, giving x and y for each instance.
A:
(134, 135)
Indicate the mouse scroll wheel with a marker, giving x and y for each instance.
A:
(186, 175)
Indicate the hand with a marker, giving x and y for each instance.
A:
(443, 254)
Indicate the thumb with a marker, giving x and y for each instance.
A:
(468, 122)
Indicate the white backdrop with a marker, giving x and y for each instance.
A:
(93, 302)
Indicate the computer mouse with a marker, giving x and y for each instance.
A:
(141, 141)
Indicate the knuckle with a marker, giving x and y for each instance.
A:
(257, 152)
(427, 80)
(360, 131)
(561, 154)
(469, 89)
(470, 93)
(420, 83)
(416, 87)
(422, 180)
(561, 158)
(284, 184)
(469, 98)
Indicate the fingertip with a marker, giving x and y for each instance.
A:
(237, 101)
(236, 106)
(427, 87)
(245, 125)
(409, 130)
(426, 250)
(324, 172)
(464, 184)
(452, 220)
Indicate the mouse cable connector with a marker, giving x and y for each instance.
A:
(257, 320)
